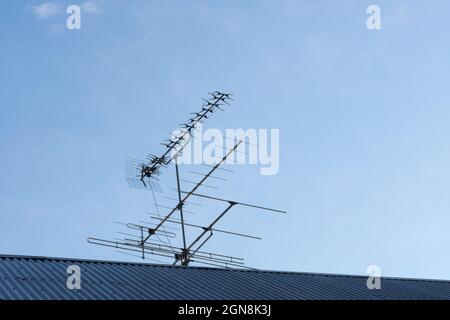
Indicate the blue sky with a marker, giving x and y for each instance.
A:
(363, 118)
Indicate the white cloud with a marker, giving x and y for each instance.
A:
(91, 7)
(46, 10)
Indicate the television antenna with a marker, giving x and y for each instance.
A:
(148, 236)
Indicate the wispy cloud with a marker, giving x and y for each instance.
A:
(50, 9)
(91, 7)
(46, 10)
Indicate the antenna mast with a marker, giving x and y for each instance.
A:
(144, 174)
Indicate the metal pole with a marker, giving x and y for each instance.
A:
(207, 229)
(152, 231)
(180, 203)
(239, 203)
(142, 238)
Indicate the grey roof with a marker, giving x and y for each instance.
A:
(27, 278)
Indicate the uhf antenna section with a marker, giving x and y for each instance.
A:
(176, 144)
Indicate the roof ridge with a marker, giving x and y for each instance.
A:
(97, 261)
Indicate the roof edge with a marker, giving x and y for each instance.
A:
(31, 257)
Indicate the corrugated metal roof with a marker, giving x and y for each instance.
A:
(45, 278)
